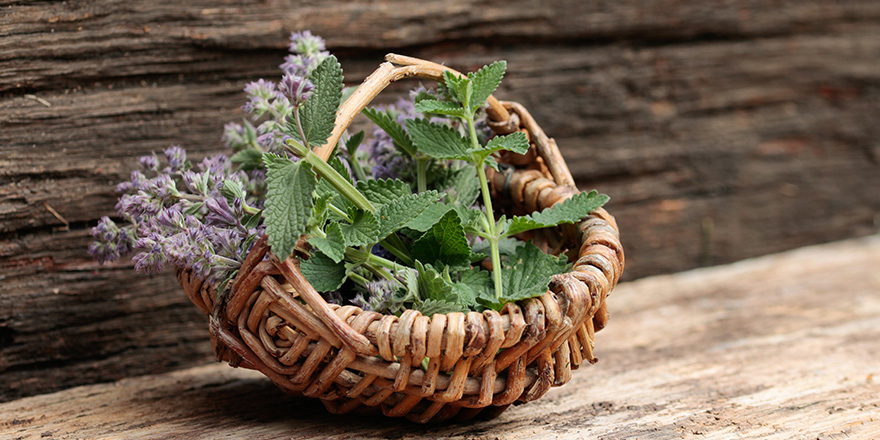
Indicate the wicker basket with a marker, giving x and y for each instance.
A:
(273, 321)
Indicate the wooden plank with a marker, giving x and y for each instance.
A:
(777, 347)
(721, 131)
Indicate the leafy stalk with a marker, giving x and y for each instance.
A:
(492, 237)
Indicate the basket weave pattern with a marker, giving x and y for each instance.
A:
(273, 321)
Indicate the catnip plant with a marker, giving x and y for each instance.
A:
(412, 227)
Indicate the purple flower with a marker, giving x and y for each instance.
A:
(133, 185)
(176, 157)
(298, 89)
(306, 43)
(150, 163)
(220, 213)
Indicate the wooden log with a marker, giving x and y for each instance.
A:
(777, 347)
(720, 131)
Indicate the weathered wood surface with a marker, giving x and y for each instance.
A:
(779, 347)
(722, 130)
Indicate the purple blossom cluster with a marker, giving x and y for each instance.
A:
(199, 217)
(270, 104)
(380, 155)
(381, 296)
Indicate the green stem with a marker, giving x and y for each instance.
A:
(421, 173)
(393, 243)
(338, 211)
(489, 215)
(356, 166)
(358, 279)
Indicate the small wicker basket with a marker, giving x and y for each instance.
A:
(273, 321)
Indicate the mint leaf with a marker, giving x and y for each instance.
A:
(438, 141)
(460, 86)
(429, 307)
(289, 202)
(444, 243)
(333, 245)
(248, 159)
(440, 107)
(429, 217)
(474, 283)
(353, 142)
(322, 272)
(389, 124)
(516, 142)
(527, 273)
(569, 211)
(485, 81)
(363, 230)
(394, 215)
(318, 114)
(383, 191)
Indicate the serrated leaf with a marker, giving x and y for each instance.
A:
(248, 159)
(569, 211)
(333, 245)
(438, 141)
(431, 306)
(476, 282)
(527, 273)
(394, 215)
(289, 202)
(506, 246)
(389, 125)
(322, 272)
(459, 86)
(431, 284)
(485, 81)
(318, 114)
(444, 243)
(462, 186)
(516, 142)
(353, 142)
(440, 107)
(429, 217)
(363, 230)
(383, 191)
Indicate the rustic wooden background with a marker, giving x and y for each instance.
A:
(722, 130)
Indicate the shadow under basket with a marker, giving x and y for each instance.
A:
(273, 321)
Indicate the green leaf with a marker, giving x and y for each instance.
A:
(474, 283)
(527, 273)
(232, 190)
(248, 159)
(394, 215)
(460, 86)
(251, 221)
(462, 186)
(289, 202)
(429, 307)
(429, 217)
(194, 208)
(326, 190)
(363, 231)
(432, 285)
(506, 246)
(444, 243)
(569, 211)
(322, 272)
(383, 191)
(333, 245)
(516, 142)
(438, 141)
(353, 142)
(440, 107)
(485, 81)
(389, 125)
(318, 114)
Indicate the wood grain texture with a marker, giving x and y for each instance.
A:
(778, 347)
(722, 130)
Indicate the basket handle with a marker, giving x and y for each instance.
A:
(408, 67)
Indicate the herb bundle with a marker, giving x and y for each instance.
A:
(403, 220)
